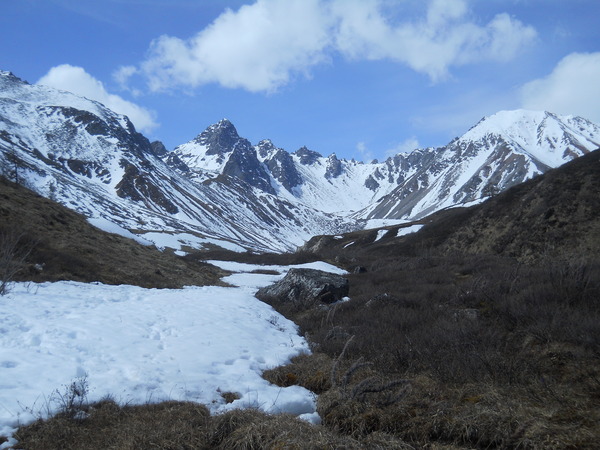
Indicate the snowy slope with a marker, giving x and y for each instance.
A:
(501, 151)
(219, 189)
(92, 160)
(141, 345)
(498, 152)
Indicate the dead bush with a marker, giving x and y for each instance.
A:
(14, 250)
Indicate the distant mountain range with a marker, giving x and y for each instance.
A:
(221, 190)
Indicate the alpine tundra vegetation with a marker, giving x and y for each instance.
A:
(300, 224)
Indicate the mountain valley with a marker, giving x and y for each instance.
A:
(220, 190)
(473, 315)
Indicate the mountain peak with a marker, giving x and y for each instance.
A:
(307, 156)
(549, 137)
(7, 76)
(218, 138)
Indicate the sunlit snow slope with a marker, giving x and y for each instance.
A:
(92, 160)
(220, 189)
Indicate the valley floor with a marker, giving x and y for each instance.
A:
(202, 344)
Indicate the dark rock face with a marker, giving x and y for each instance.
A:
(137, 186)
(370, 183)
(307, 156)
(334, 167)
(244, 165)
(282, 167)
(158, 148)
(172, 160)
(305, 287)
(219, 138)
(265, 147)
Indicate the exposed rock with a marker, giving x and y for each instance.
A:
(282, 167)
(158, 148)
(244, 165)
(307, 156)
(305, 287)
(334, 167)
(371, 184)
(219, 138)
(172, 160)
(265, 147)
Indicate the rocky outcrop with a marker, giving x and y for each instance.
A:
(307, 156)
(219, 138)
(305, 288)
(282, 168)
(244, 165)
(334, 167)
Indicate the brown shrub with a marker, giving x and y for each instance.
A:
(162, 425)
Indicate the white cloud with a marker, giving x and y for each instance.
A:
(263, 46)
(363, 151)
(443, 39)
(258, 48)
(572, 88)
(77, 80)
(405, 146)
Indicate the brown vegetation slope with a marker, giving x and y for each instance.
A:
(64, 246)
(482, 330)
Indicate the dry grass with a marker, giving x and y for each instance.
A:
(497, 354)
(184, 425)
(168, 425)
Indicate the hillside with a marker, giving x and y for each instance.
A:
(478, 329)
(556, 214)
(64, 246)
(221, 190)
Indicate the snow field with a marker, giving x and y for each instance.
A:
(147, 345)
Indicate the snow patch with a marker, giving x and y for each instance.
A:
(408, 230)
(177, 241)
(111, 227)
(141, 345)
(380, 234)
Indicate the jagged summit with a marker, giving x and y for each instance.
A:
(307, 156)
(218, 138)
(9, 76)
(221, 186)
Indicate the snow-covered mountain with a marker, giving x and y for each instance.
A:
(500, 151)
(221, 189)
(93, 161)
(327, 183)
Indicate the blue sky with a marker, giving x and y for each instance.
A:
(361, 78)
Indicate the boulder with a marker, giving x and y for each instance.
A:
(306, 287)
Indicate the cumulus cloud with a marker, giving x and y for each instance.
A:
(263, 46)
(444, 38)
(77, 80)
(258, 48)
(571, 88)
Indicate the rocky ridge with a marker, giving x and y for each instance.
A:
(219, 189)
